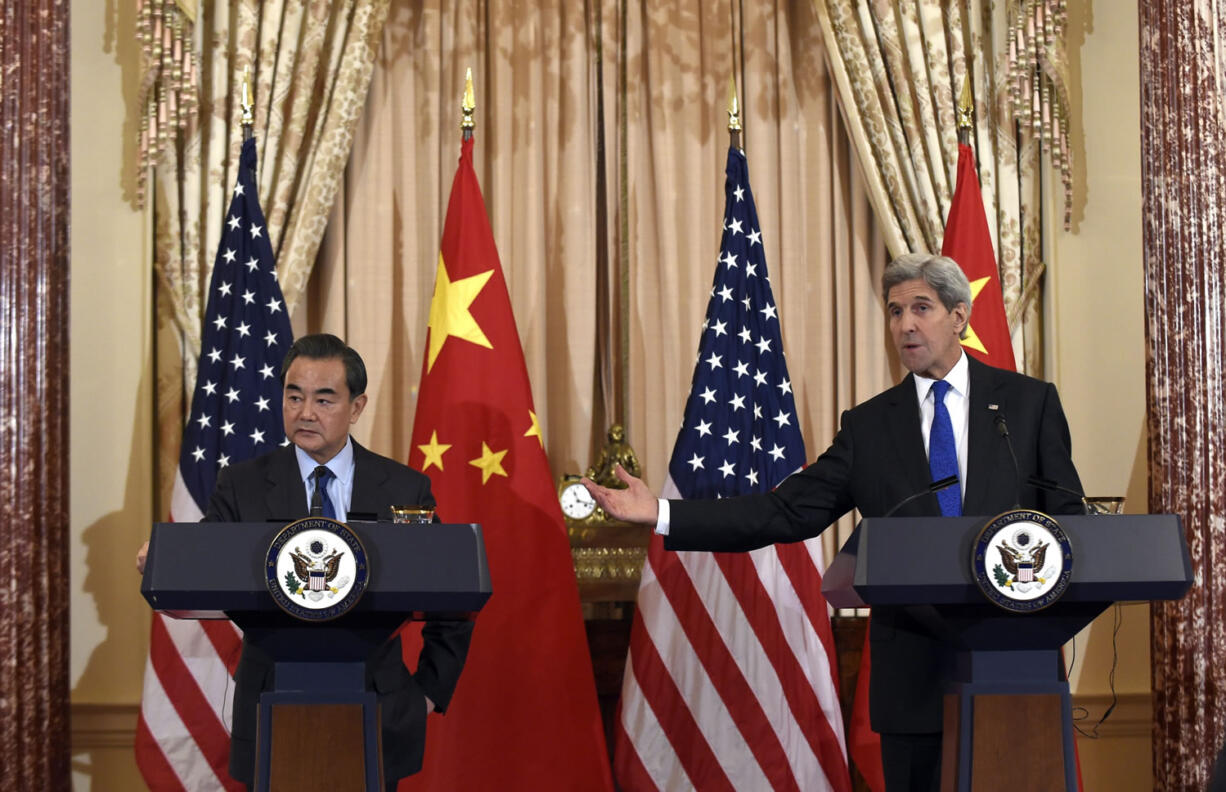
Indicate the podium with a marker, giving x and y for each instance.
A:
(319, 726)
(1008, 713)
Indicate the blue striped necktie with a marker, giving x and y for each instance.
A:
(321, 504)
(943, 452)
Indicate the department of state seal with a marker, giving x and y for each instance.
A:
(316, 569)
(1022, 560)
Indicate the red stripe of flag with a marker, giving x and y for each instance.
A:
(802, 700)
(151, 761)
(631, 773)
(722, 669)
(798, 564)
(226, 641)
(672, 713)
(190, 702)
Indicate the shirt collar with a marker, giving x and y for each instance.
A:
(958, 378)
(341, 465)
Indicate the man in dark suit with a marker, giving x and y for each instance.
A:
(324, 384)
(880, 457)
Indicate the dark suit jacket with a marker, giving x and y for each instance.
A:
(876, 460)
(270, 487)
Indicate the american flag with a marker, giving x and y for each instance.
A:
(732, 658)
(183, 734)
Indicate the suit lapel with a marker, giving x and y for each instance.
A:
(369, 477)
(904, 425)
(987, 401)
(286, 494)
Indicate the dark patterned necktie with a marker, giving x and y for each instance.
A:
(321, 504)
(943, 452)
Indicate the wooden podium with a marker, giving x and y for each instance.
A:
(1008, 713)
(318, 728)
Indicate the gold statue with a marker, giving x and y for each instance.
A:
(616, 452)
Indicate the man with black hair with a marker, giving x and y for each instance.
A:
(323, 393)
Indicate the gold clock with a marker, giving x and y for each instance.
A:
(577, 503)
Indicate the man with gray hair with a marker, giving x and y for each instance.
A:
(939, 421)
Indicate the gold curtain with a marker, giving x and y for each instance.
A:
(534, 154)
(601, 145)
(899, 66)
(310, 63)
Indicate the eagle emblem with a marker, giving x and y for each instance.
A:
(1021, 561)
(1021, 566)
(315, 570)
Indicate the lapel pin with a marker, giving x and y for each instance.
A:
(993, 406)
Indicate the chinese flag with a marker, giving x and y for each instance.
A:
(865, 744)
(968, 242)
(524, 715)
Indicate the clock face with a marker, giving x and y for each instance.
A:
(577, 502)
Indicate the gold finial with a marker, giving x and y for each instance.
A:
(469, 104)
(248, 115)
(734, 112)
(966, 105)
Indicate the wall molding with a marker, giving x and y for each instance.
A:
(114, 725)
(109, 726)
(1133, 715)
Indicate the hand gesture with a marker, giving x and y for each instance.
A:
(634, 504)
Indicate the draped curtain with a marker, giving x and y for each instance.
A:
(601, 142)
(533, 73)
(1183, 187)
(309, 63)
(899, 66)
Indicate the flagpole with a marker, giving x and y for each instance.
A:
(248, 119)
(966, 112)
(734, 116)
(468, 105)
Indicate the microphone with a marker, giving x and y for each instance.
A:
(931, 489)
(1003, 428)
(1051, 486)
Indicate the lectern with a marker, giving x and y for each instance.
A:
(1008, 714)
(417, 571)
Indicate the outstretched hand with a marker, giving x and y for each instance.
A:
(634, 504)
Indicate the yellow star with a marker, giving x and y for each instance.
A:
(434, 451)
(972, 338)
(535, 429)
(449, 310)
(490, 463)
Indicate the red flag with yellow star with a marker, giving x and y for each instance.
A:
(524, 715)
(968, 242)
